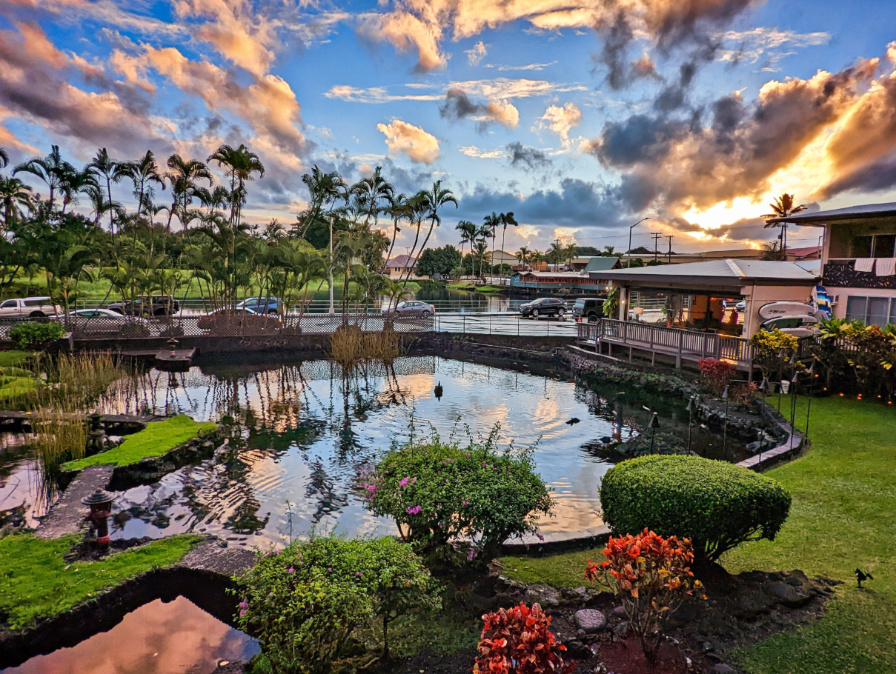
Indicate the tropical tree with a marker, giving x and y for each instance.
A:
(523, 255)
(144, 173)
(102, 166)
(467, 231)
(4, 158)
(506, 219)
(375, 194)
(783, 207)
(52, 170)
(183, 175)
(325, 189)
(490, 224)
(241, 165)
(15, 199)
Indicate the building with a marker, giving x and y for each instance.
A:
(704, 295)
(858, 259)
(399, 267)
(594, 263)
(502, 257)
(556, 282)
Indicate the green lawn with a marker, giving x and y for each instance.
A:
(36, 582)
(14, 358)
(843, 516)
(156, 439)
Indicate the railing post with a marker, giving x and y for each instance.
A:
(680, 341)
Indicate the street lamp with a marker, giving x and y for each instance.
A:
(725, 432)
(654, 424)
(690, 410)
(630, 240)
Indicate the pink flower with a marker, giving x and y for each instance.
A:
(465, 502)
(471, 554)
(242, 612)
(414, 511)
(292, 570)
(371, 488)
(403, 482)
(244, 604)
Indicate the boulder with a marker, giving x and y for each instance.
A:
(792, 596)
(590, 620)
(622, 629)
(544, 595)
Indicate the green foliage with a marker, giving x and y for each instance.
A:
(13, 358)
(156, 439)
(304, 602)
(438, 261)
(611, 304)
(772, 351)
(36, 582)
(439, 493)
(715, 504)
(31, 336)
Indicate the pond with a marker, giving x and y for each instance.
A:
(157, 638)
(307, 434)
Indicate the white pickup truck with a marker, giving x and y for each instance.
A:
(29, 307)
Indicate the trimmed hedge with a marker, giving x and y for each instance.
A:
(714, 503)
(27, 336)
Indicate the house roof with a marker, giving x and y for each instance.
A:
(403, 261)
(721, 272)
(601, 263)
(849, 213)
(808, 252)
(554, 274)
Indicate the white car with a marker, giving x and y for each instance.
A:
(106, 321)
(29, 307)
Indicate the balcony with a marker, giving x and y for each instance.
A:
(841, 273)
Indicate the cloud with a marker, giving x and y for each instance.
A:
(476, 54)
(478, 153)
(408, 32)
(538, 67)
(458, 105)
(527, 158)
(756, 43)
(416, 143)
(695, 159)
(561, 120)
(351, 94)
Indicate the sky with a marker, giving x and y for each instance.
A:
(580, 116)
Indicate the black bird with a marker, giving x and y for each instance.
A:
(572, 421)
(438, 391)
(606, 439)
(860, 576)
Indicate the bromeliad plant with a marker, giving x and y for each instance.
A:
(452, 502)
(519, 641)
(651, 575)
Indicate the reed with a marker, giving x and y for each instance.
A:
(58, 437)
(77, 382)
(350, 346)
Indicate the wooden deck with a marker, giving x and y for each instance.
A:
(620, 339)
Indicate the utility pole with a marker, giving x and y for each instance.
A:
(557, 242)
(656, 244)
(629, 251)
(669, 258)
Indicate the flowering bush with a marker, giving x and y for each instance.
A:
(304, 602)
(457, 502)
(651, 576)
(518, 641)
(717, 374)
(715, 504)
(772, 352)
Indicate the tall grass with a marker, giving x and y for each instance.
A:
(350, 346)
(58, 437)
(77, 382)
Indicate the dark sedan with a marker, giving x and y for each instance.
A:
(543, 306)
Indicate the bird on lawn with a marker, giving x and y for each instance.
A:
(861, 576)
(438, 391)
(572, 421)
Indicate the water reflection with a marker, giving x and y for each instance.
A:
(157, 638)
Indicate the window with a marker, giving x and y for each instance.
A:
(861, 246)
(35, 302)
(876, 245)
(9, 304)
(871, 310)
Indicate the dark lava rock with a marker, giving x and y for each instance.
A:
(619, 611)
(578, 595)
(576, 649)
(622, 629)
(792, 596)
(590, 620)
(722, 668)
(545, 595)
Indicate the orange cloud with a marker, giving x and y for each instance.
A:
(413, 141)
(561, 119)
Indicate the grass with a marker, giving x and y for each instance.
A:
(14, 358)
(155, 440)
(489, 289)
(842, 517)
(36, 581)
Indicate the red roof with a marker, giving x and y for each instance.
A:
(402, 262)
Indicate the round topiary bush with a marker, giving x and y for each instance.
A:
(715, 504)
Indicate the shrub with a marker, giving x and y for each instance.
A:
(715, 504)
(717, 374)
(518, 641)
(772, 351)
(29, 336)
(651, 576)
(304, 602)
(439, 493)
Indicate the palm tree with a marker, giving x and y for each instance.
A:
(15, 196)
(433, 200)
(374, 191)
(51, 169)
(781, 208)
(241, 165)
(4, 158)
(467, 231)
(480, 251)
(183, 176)
(143, 173)
(506, 219)
(73, 183)
(491, 222)
(522, 255)
(325, 189)
(555, 254)
(397, 209)
(609, 251)
(570, 251)
(103, 166)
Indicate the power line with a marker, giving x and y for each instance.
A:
(669, 258)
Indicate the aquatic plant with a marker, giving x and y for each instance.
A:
(350, 346)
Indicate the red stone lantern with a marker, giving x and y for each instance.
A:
(100, 503)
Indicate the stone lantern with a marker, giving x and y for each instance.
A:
(100, 503)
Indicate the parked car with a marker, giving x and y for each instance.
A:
(543, 306)
(29, 307)
(588, 309)
(105, 321)
(238, 320)
(261, 305)
(155, 305)
(411, 308)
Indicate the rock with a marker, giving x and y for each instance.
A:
(706, 647)
(619, 611)
(622, 629)
(578, 595)
(544, 595)
(751, 604)
(792, 596)
(722, 668)
(590, 620)
(576, 649)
